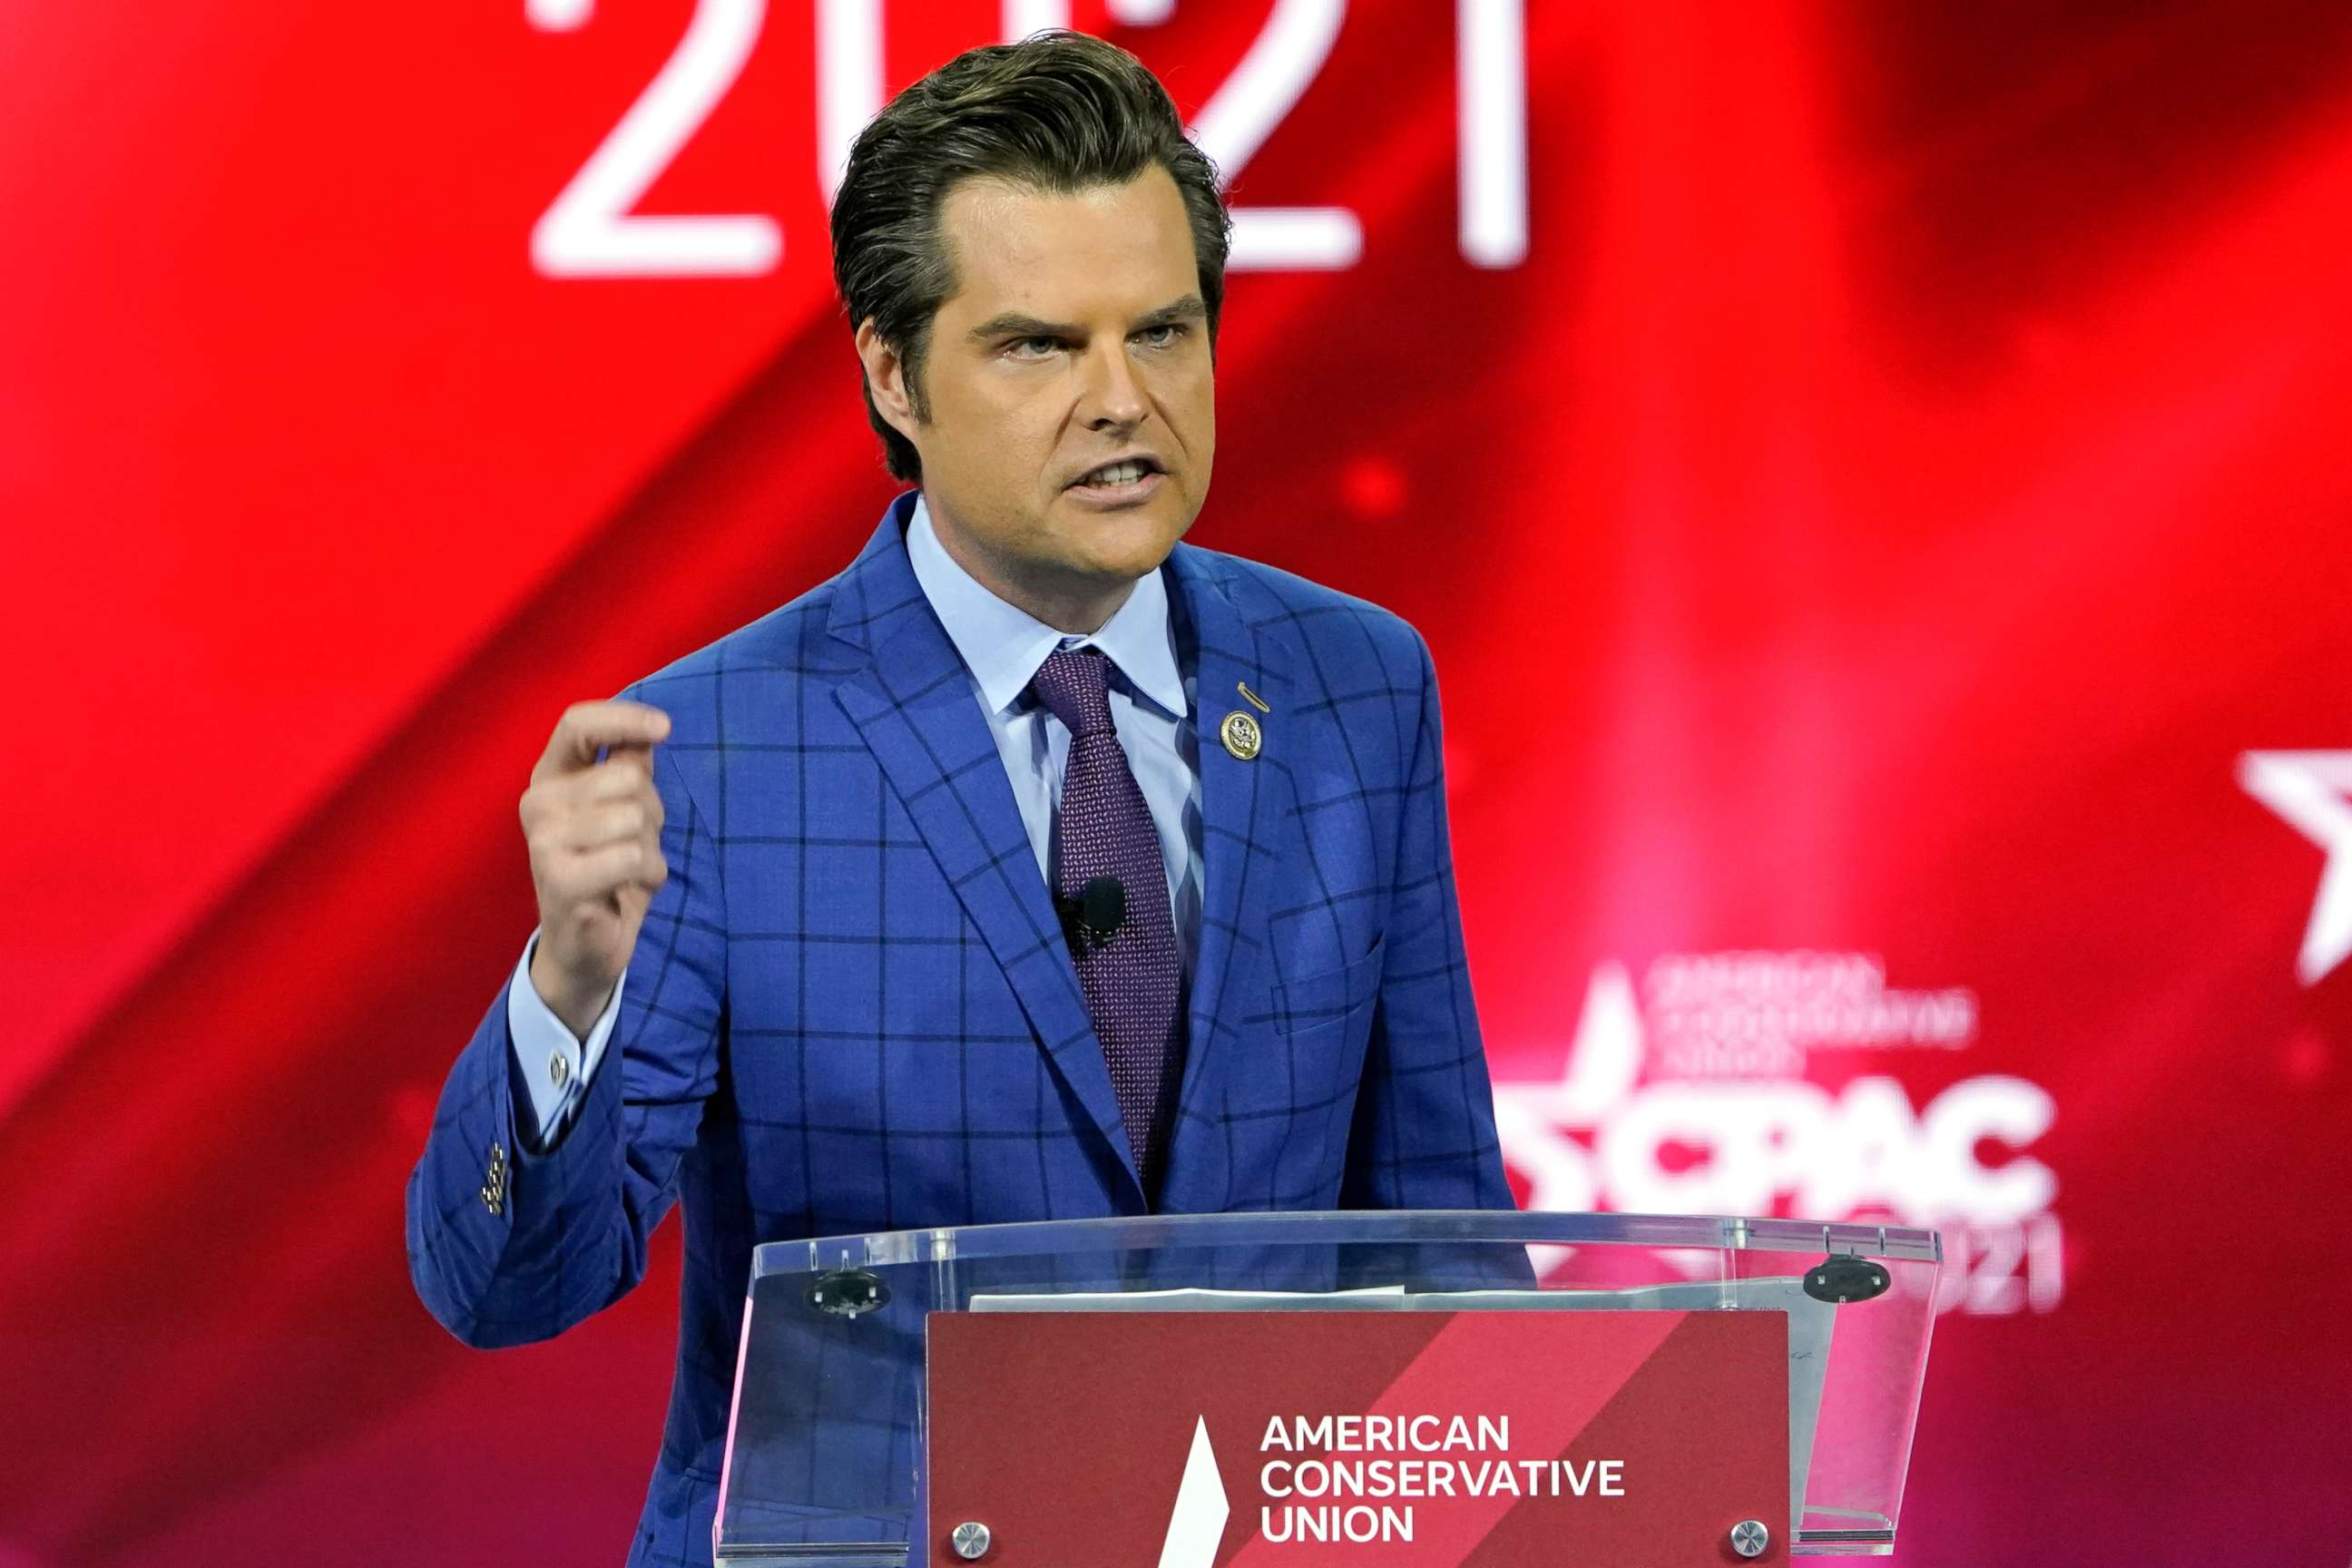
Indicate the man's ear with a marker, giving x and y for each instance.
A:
(886, 379)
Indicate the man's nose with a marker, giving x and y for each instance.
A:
(1110, 392)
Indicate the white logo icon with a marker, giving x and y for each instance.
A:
(2309, 789)
(1198, 1521)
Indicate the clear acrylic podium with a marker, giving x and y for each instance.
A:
(826, 1441)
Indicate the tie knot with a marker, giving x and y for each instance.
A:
(1075, 682)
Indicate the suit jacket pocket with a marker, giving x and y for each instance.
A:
(1302, 1002)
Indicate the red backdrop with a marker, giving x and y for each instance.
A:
(1872, 475)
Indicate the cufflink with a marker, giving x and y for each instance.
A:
(558, 1067)
(494, 1191)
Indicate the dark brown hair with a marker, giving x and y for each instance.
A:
(1058, 112)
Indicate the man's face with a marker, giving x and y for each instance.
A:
(1075, 338)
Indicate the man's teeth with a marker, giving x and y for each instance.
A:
(1117, 474)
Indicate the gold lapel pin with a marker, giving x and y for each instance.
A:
(1240, 733)
(1241, 736)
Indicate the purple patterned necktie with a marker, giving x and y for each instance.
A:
(1130, 980)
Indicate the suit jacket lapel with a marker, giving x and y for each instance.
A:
(1245, 811)
(912, 702)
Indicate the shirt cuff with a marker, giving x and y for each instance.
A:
(556, 1065)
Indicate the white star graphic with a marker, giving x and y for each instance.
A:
(1539, 1122)
(1534, 1119)
(2309, 789)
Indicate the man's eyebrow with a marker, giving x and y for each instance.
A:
(1188, 308)
(1012, 325)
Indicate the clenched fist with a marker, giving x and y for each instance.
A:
(595, 832)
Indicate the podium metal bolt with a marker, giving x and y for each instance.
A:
(970, 1539)
(1749, 1538)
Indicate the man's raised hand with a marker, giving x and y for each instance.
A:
(594, 833)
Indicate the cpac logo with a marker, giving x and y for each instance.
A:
(2309, 789)
(1722, 1121)
(1599, 1138)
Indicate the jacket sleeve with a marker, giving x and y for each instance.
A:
(1424, 1127)
(510, 1243)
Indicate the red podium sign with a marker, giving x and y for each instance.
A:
(1376, 1440)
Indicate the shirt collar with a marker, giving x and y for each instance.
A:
(1002, 645)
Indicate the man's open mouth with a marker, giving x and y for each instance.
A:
(1126, 471)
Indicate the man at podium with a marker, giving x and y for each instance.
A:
(1036, 867)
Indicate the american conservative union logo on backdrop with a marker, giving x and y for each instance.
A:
(1694, 1090)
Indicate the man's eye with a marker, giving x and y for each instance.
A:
(1032, 348)
(1162, 336)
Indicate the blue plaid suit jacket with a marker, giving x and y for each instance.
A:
(851, 1007)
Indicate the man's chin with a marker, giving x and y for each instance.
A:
(1100, 575)
(1120, 544)
(1125, 565)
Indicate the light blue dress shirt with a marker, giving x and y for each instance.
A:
(1002, 646)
